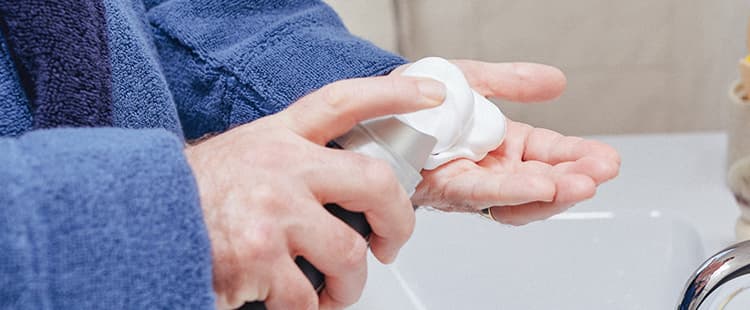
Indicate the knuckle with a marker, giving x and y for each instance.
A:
(297, 292)
(380, 174)
(261, 243)
(264, 196)
(355, 253)
(336, 103)
(303, 298)
(309, 301)
(331, 94)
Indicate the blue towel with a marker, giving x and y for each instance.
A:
(62, 56)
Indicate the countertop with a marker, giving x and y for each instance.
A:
(681, 175)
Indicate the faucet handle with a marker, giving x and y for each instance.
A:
(718, 280)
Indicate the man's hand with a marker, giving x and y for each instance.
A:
(263, 186)
(535, 173)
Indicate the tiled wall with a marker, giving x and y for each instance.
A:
(632, 66)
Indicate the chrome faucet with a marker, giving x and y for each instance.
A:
(718, 280)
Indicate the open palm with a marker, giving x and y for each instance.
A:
(536, 172)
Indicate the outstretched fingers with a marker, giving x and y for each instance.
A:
(597, 160)
(519, 82)
(571, 189)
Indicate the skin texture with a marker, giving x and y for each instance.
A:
(263, 185)
(535, 173)
(262, 208)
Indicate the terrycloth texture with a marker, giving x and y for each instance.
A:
(263, 56)
(112, 222)
(108, 218)
(15, 117)
(61, 52)
(304, 55)
(141, 95)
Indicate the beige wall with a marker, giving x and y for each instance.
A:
(374, 20)
(633, 66)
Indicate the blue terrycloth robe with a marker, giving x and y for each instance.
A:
(61, 51)
(110, 217)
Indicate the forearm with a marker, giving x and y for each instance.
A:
(100, 218)
(229, 62)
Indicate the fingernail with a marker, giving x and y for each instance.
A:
(432, 90)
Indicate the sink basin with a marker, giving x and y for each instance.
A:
(576, 260)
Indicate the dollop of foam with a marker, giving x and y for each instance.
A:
(466, 125)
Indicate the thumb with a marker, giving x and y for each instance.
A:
(334, 109)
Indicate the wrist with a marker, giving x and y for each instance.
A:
(196, 163)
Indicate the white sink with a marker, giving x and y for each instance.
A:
(631, 247)
(577, 260)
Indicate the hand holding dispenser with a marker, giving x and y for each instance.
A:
(466, 125)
